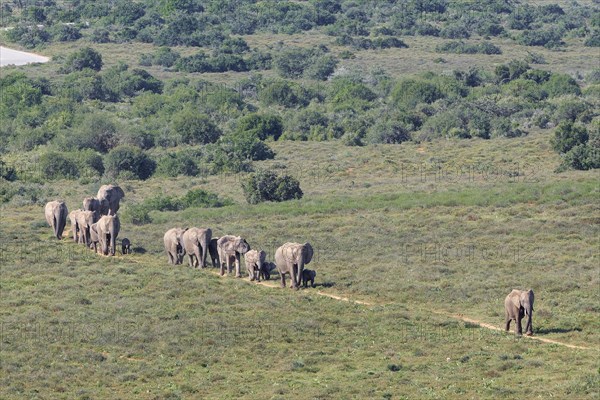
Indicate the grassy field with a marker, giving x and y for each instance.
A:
(424, 240)
(417, 231)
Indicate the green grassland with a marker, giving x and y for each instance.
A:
(414, 235)
(386, 230)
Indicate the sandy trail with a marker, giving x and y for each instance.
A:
(275, 284)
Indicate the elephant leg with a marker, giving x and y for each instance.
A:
(519, 325)
(282, 275)
(293, 273)
(507, 324)
(204, 256)
(113, 244)
(237, 265)
(197, 257)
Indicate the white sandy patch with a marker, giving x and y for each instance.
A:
(15, 57)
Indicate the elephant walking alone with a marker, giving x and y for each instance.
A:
(230, 248)
(174, 248)
(196, 242)
(56, 215)
(517, 304)
(291, 258)
(108, 229)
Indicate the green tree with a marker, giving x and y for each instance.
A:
(568, 135)
(192, 127)
(83, 58)
(268, 186)
(129, 161)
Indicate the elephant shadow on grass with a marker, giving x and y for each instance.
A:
(138, 250)
(544, 331)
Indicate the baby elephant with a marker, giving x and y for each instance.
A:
(308, 275)
(125, 246)
(265, 271)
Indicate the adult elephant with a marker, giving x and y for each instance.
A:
(109, 197)
(56, 215)
(74, 225)
(291, 258)
(196, 242)
(108, 229)
(92, 204)
(517, 304)
(254, 263)
(230, 248)
(85, 220)
(173, 240)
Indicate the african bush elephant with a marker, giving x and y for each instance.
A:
(291, 258)
(308, 275)
(75, 226)
(108, 229)
(85, 219)
(92, 204)
(173, 240)
(125, 246)
(214, 252)
(230, 248)
(94, 237)
(265, 272)
(196, 242)
(109, 197)
(517, 304)
(56, 215)
(254, 263)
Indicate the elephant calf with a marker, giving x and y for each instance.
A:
(308, 275)
(254, 263)
(125, 246)
(265, 271)
(517, 304)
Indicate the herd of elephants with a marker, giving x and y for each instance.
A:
(98, 223)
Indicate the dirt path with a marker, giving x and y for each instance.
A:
(489, 326)
(275, 284)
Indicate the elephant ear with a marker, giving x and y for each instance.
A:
(120, 191)
(515, 298)
(308, 252)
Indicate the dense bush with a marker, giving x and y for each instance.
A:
(268, 186)
(262, 125)
(461, 47)
(83, 58)
(175, 164)
(410, 92)
(314, 63)
(96, 131)
(55, 165)
(139, 214)
(129, 162)
(192, 127)
(568, 135)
